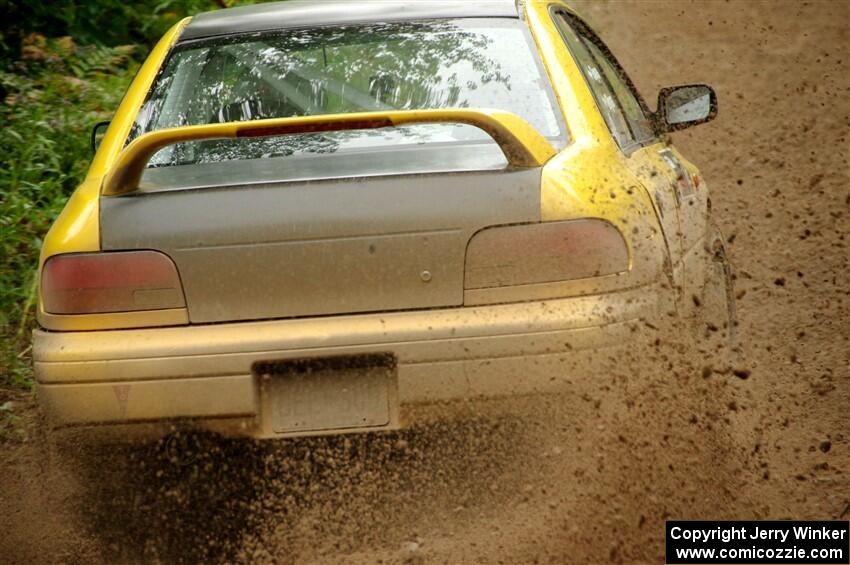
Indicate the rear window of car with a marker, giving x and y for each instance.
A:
(465, 63)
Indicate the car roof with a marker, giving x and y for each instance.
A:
(300, 14)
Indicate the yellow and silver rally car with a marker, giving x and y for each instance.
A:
(308, 218)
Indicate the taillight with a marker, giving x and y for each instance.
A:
(125, 281)
(544, 252)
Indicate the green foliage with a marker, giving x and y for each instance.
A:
(100, 22)
(57, 92)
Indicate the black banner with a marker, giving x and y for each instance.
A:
(758, 542)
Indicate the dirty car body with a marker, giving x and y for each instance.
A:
(311, 218)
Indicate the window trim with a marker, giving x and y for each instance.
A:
(570, 19)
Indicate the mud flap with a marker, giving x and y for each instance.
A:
(719, 290)
(717, 317)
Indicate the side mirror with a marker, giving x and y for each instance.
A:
(681, 107)
(97, 134)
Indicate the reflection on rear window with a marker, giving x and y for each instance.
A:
(470, 63)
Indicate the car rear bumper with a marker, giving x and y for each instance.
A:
(205, 374)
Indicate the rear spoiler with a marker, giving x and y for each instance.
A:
(522, 145)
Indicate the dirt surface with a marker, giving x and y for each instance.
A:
(590, 477)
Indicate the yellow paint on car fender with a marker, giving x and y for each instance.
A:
(77, 227)
(589, 177)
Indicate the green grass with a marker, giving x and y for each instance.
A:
(52, 97)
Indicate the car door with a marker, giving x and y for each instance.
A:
(647, 157)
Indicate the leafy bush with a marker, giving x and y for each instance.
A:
(57, 92)
(102, 22)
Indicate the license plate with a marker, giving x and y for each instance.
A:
(331, 393)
